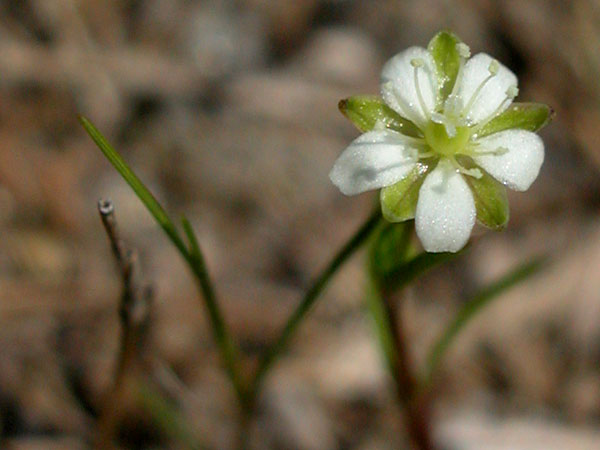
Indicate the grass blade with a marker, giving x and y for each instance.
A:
(194, 250)
(136, 184)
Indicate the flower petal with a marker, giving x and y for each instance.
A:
(492, 94)
(373, 160)
(445, 210)
(399, 89)
(519, 163)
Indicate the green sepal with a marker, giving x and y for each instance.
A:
(369, 112)
(443, 49)
(523, 116)
(399, 201)
(491, 200)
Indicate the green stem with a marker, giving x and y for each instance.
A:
(225, 342)
(275, 350)
(415, 406)
(227, 347)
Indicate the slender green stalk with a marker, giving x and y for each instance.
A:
(309, 299)
(194, 251)
(136, 184)
(415, 407)
(192, 255)
(227, 346)
(389, 255)
(389, 248)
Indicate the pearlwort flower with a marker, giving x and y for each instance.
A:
(443, 142)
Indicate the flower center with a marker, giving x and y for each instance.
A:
(437, 137)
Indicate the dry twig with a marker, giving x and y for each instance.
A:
(134, 312)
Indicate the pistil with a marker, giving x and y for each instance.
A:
(441, 142)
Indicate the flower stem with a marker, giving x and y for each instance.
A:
(416, 407)
(309, 299)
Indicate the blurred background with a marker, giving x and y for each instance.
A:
(228, 111)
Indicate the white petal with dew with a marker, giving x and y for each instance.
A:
(518, 162)
(375, 159)
(492, 94)
(398, 87)
(445, 210)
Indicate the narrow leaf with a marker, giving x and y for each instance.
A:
(369, 112)
(195, 251)
(136, 184)
(524, 116)
(447, 61)
(471, 308)
(399, 201)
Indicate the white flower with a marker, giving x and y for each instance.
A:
(463, 133)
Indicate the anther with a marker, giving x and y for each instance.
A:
(473, 172)
(463, 50)
(379, 125)
(417, 62)
(493, 67)
(512, 92)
